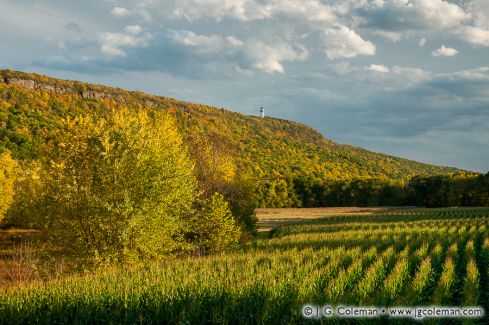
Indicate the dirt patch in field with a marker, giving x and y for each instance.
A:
(269, 218)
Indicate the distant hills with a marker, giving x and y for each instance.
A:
(262, 149)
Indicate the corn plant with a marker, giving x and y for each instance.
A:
(444, 289)
(471, 284)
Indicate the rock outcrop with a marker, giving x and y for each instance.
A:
(29, 84)
(32, 85)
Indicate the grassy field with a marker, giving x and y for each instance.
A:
(381, 257)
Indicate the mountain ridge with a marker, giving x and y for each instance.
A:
(261, 147)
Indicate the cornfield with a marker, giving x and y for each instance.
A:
(413, 257)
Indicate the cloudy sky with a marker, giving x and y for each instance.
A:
(405, 77)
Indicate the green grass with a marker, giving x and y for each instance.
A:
(407, 257)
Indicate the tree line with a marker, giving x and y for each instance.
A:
(454, 189)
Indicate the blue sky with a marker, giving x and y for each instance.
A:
(405, 77)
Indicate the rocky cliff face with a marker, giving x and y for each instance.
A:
(33, 84)
(29, 84)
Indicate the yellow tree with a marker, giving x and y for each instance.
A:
(216, 172)
(8, 173)
(119, 189)
(28, 189)
(215, 165)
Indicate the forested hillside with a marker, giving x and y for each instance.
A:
(268, 147)
(271, 152)
(273, 147)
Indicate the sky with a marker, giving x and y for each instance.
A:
(408, 78)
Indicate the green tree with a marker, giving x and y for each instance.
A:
(241, 196)
(8, 173)
(119, 189)
(213, 226)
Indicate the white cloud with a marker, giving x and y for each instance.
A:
(251, 54)
(341, 69)
(438, 12)
(480, 73)
(474, 35)
(379, 68)
(392, 20)
(445, 51)
(479, 11)
(407, 18)
(342, 42)
(206, 44)
(411, 75)
(234, 42)
(120, 12)
(113, 44)
(391, 36)
(133, 29)
(345, 7)
(248, 10)
(422, 42)
(269, 57)
(466, 20)
(313, 10)
(414, 14)
(242, 10)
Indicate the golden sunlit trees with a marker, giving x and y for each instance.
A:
(8, 173)
(215, 165)
(28, 189)
(118, 188)
(216, 172)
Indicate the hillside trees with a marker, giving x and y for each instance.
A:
(267, 152)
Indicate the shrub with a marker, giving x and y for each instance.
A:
(214, 227)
